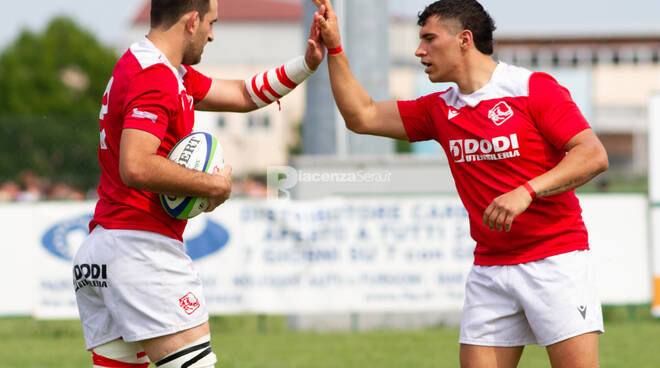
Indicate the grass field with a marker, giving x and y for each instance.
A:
(632, 339)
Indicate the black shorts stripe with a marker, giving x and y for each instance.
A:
(183, 352)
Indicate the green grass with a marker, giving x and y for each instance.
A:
(631, 340)
(616, 183)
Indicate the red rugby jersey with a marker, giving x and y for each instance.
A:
(497, 138)
(145, 92)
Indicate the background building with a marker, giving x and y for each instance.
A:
(609, 70)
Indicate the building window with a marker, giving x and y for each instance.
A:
(578, 55)
(258, 122)
(221, 123)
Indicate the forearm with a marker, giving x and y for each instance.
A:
(158, 174)
(579, 166)
(227, 96)
(257, 91)
(354, 102)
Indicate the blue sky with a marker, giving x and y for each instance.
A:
(109, 19)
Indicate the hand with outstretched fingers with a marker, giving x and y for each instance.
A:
(326, 20)
(315, 48)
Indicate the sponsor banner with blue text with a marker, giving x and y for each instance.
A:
(335, 255)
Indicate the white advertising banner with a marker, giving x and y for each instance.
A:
(654, 194)
(618, 238)
(335, 255)
(655, 242)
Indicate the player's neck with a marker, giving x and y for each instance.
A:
(168, 44)
(477, 72)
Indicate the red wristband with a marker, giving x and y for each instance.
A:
(530, 190)
(335, 51)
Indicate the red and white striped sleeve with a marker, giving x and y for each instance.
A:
(270, 86)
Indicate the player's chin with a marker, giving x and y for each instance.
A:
(433, 77)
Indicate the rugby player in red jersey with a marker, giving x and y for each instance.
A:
(149, 305)
(517, 146)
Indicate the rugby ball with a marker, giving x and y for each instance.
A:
(197, 151)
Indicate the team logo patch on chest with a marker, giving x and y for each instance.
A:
(500, 113)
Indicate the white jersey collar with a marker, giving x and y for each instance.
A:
(506, 81)
(148, 54)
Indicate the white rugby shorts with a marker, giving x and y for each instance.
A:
(135, 285)
(541, 302)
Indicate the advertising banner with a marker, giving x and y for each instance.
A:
(324, 256)
(654, 194)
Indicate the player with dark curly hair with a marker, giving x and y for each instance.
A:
(517, 147)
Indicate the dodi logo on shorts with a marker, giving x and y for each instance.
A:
(93, 275)
(189, 303)
(64, 238)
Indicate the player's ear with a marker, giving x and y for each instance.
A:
(192, 21)
(465, 39)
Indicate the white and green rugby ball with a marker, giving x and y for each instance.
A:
(197, 151)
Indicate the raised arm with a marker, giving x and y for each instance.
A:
(267, 87)
(362, 114)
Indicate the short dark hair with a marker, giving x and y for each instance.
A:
(164, 13)
(470, 14)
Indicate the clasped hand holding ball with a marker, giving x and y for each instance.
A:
(199, 151)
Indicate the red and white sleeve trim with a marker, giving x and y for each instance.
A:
(271, 85)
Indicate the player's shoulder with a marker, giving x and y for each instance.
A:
(147, 55)
(542, 81)
(150, 61)
(511, 81)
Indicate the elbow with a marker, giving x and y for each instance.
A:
(355, 128)
(602, 160)
(356, 125)
(132, 175)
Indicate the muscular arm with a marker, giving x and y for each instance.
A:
(361, 113)
(142, 168)
(586, 157)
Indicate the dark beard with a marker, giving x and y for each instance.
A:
(191, 56)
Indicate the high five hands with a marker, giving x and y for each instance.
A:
(325, 20)
(315, 50)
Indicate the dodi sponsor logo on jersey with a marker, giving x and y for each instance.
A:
(472, 150)
(63, 239)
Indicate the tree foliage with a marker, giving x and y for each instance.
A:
(51, 86)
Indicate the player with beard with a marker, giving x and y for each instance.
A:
(150, 306)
